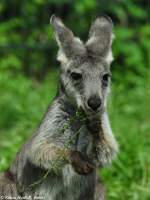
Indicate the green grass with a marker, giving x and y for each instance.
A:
(23, 103)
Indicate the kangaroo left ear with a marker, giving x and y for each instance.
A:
(100, 38)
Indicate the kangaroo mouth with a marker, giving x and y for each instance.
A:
(94, 124)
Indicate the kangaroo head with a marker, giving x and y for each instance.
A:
(85, 71)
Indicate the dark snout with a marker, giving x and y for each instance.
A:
(94, 102)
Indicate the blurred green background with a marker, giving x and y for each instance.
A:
(29, 74)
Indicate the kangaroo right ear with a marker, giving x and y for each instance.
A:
(69, 45)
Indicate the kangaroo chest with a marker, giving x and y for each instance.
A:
(77, 137)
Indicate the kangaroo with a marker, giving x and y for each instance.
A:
(59, 162)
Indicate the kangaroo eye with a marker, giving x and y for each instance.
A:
(76, 76)
(105, 79)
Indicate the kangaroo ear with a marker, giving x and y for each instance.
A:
(69, 45)
(100, 38)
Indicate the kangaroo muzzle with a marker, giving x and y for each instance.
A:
(94, 103)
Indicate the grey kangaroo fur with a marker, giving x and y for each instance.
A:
(74, 138)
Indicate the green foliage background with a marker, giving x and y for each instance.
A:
(29, 74)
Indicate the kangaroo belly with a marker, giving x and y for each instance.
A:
(67, 186)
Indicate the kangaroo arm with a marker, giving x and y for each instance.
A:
(48, 155)
(106, 145)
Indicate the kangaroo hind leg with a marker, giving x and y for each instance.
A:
(7, 186)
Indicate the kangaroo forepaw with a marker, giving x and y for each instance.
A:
(80, 163)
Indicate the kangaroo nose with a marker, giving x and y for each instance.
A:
(94, 102)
